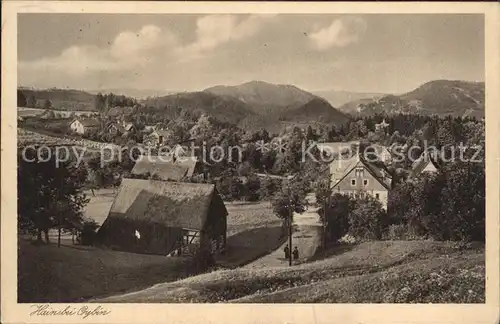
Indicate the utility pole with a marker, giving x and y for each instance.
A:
(326, 203)
(290, 221)
(59, 203)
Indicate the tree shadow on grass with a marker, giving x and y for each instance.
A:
(332, 250)
(247, 246)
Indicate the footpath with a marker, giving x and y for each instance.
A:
(306, 237)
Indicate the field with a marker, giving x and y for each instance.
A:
(375, 272)
(47, 273)
(378, 272)
(31, 112)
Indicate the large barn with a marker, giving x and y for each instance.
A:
(162, 217)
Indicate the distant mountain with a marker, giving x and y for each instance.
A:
(315, 111)
(265, 97)
(338, 98)
(255, 105)
(279, 105)
(440, 97)
(223, 108)
(63, 99)
(134, 93)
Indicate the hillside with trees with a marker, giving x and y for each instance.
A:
(439, 97)
(265, 97)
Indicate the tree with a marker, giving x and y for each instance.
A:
(21, 99)
(463, 204)
(290, 196)
(49, 194)
(368, 219)
(337, 213)
(47, 104)
(31, 102)
(252, 190)
(99, 103)
(268, 187)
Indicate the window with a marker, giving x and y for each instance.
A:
(353, 182)
(359, 171)
(365, 182)
(377, 196)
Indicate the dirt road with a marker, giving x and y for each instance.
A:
(306, 237)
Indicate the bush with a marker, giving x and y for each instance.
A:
(368, 219)
(88, 233)
(337, 216)
(402, 232)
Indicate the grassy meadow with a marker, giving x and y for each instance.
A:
(375, 272)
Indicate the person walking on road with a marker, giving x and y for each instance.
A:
(287, 252)
(295, 254)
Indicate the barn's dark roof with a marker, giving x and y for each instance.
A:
(173, 204)
(165, 167)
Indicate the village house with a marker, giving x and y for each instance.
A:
(129, 128)
(168, 168)
(84, 125)
(155, 138)
(381, 126)
(426, 163)
(114, 128)
(149, 128)
(165, 218)
(356, 177)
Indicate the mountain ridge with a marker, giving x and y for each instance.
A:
(436, 97)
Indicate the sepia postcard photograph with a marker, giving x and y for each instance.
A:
(165, 154)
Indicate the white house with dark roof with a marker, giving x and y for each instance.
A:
(82, 126)
(356, 177)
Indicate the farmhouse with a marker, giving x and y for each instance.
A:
(162, 217)
(114, 128)
(83, 126)
(426, 163)
(356, 177)
(129, 127)
(155, 137)
(167, 167)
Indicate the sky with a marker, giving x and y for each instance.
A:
(379, 53)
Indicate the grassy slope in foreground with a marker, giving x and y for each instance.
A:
(47, 273)
(377, 272)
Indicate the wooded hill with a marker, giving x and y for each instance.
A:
(257, 104)
(440, 97)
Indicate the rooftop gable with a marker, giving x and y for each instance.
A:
(173, 204)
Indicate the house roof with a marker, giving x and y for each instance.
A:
(129, 126)
(88, 122)
(379, 150)
(419, 164)
(165, 168)
(173, 204)
(345, 166)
